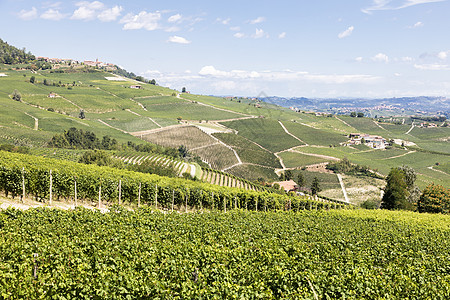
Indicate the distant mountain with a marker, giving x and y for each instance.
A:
(12, 55)
(410, 105)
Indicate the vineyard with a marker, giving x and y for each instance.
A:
(22, 175)
(84, 254)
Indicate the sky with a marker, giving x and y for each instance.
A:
(301, 48)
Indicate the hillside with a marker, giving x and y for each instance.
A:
(246, 138)
(12, 55)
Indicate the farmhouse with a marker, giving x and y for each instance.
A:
(288, 186)
(136, 87)
(372, 141)
(52, 95)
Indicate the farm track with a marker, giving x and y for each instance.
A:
(104, 123)
(285, 130)
(344, 191)
(214, 107)
(135, 113)
(442, 172)
(410, 152)
(36, 121)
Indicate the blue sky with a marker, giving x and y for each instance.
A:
(365, 48)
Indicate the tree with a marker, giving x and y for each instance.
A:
(153, 81)
(32, 79)
(183, 90)
(360, 115)
(300, 180)
(410, 179)
(396, 191)
(315, 186)
(45, 82)
(353, 114)
(183, 151)
(288, 175)
(16, 95)
(435, 199)
(82, 115)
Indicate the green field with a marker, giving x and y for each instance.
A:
(314, 136)
(242, 255)
(248, 151)
(253, 173)
(295, 159)
(219, 156)
(266, 132)
(189, 136)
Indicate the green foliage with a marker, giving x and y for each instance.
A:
(11, 55)
(369, 204)
(315, 186)
(91, 177)
(344, 166)
(100, 158)
(153, 167)
(435, 199)
(300, 180)
(16, 95)
(142, 254)
(396, 192)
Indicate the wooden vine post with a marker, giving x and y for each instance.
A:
(76, 200)
(23, 184)
(139, 195)
(120, 191)
(156, 197)
(51, 183)
(100, 195)
(225, 204)
(186, 196)
(173, 198)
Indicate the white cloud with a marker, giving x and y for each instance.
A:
(174, 18)
(53, 14)
(346, 32)
(417, 25)
(257, 20)
(259, 33)
(381, 57)
(282, 35)
(239, 35)
(96, 10)
(394, 5)
(235, 28)
(407, 59)
(287, 75)
(28, 14)
(110, 14)
(432, 67)
(178, 40)
(223, 21)
(443, 55)
(172, 29)
(143, 20)
(87, 10)
(359, 59)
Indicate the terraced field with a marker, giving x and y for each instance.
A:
(248, 151)
(253, 172)
(218, 155)
(189, 136)
(296, 160)
(266, 132)
(314, 136)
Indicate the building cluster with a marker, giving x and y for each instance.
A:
(372, 141)
(59, 62)
(427, 125)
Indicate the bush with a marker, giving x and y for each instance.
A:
(435, 199)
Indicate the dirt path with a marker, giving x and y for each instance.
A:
(412, 126)
(344, 191)
(399, 155)
(104, 123)
(135, 113)
(380, 126)
(150, 131)
(318, 155)
(36, 121)
(442, 172)
(214, 107)
(71, 102)
(344, 122)
(285, 130)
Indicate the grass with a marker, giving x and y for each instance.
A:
(314, 136)
(327, 180)
(249, 152)
(265, 132)
(295, 159)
